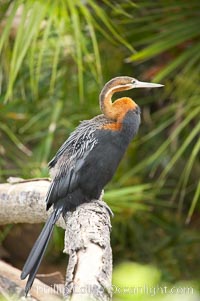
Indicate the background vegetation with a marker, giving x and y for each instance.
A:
(55, 56)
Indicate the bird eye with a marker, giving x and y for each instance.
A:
(133, 81)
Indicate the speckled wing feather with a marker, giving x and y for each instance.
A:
(70, 158)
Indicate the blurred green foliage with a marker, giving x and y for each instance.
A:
(133, 281)
(54, 58)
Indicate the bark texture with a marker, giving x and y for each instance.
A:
(12, 287)
(87, 241)
(23, 201)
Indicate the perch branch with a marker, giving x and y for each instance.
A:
(89, 269)
(22, 201)
(87, 236)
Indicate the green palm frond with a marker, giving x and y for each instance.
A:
(54, 28)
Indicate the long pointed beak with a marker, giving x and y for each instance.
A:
(139, 84)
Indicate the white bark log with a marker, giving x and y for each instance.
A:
(23, 201)
(87, 241)
(87, 236)
(11, 284)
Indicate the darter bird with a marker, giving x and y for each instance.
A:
(87, 160)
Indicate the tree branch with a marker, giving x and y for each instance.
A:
(87, 236)
(89, 269)
(22, 201)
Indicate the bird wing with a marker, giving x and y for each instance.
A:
(65, 166)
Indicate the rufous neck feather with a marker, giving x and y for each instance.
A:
(118, 108)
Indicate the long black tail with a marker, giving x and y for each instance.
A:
(35, 257)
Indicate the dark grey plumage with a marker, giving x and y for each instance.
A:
(64, 168)
(35, 257)
(69, 159)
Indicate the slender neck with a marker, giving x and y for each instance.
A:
(117, 109)
(105, 101)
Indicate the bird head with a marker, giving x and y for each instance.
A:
(117, 84)
(122, 83)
